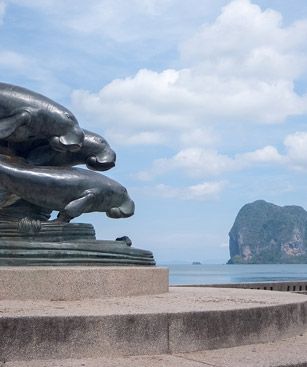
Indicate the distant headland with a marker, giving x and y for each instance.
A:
(265, 233)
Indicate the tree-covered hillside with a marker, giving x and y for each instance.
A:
(267, 233)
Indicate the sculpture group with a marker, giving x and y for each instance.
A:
(40, 142)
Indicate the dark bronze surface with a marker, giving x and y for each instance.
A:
(26, 115)
(72, 253)
(95, 152)
(71, 191)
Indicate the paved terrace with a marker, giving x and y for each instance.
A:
(287, 352)
(186, 327)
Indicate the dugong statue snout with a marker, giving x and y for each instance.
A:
(95, 152)
(102, 162)
(125, 210)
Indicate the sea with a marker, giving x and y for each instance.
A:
(224, 274)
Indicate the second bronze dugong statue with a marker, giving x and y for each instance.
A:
(71, 191)
(25, 114)
(95, 152)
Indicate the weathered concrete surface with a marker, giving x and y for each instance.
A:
(285, 352)
(80, 282)
(148, 361)
(288, 352)
(183, 320)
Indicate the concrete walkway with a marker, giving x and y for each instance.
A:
(283, 353)
(181, 321)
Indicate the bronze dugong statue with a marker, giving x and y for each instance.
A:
(95, 152)
(25, 114)
(71, 191)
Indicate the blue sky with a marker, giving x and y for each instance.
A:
(204, 102)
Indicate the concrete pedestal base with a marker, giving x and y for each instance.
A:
(183, 320)
(80, 282)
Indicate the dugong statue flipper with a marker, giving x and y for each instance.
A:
(7, 198)
(78, 206)
(9, 124)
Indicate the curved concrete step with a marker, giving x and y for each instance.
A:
(288, 352)
(183, 320)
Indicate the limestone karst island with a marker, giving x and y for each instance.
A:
(265, 233)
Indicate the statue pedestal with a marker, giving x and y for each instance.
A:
(71, 283)
(31, 242)
(73, 253)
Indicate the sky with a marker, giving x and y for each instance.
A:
(204, 102)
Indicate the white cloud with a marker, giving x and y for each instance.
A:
(268, 154)
(202, 191)
(241, 68)
(296, 145)
(246, 41)
(13, 60)
(141, 138)
(198, 162)
(198, 137)
(148, 100)
(184, 100)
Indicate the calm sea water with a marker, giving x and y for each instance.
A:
(217, 274)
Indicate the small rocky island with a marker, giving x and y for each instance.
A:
(264, 233)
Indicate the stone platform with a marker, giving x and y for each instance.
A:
(287, 352)
(184, 320)
(80, 282)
